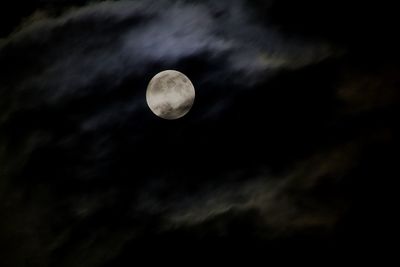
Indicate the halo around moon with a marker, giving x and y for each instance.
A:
(170, 94)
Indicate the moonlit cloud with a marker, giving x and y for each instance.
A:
(279, 128)
(112, 41)
(282, 203)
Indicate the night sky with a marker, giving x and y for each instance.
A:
(289, 153)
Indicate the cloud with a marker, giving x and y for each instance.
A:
(282, 202)
(361, 92)
(79, 151)
(95, 48)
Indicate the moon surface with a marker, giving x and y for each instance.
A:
(170, 94)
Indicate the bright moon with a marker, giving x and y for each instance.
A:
(170, 94)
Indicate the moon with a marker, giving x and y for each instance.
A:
(170, 94)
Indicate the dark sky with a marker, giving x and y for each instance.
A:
(290, 151)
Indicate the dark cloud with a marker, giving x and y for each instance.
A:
(281, 202)
(272, 149)
(115, 40)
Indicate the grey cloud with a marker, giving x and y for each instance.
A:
(282, 202)
(87, 53)
(108, 42)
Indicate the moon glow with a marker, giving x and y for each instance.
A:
(170, 94)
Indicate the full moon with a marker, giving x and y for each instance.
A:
(170, 94)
